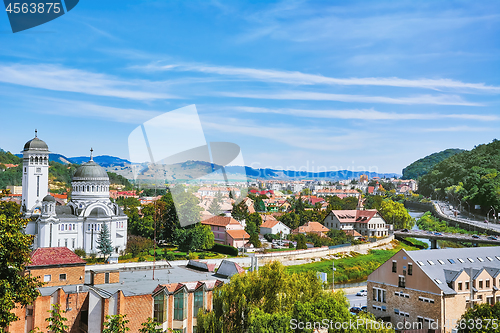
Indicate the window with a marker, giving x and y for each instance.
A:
(451, 261)
(160, 308)
(47, 278)
(420, 263)
(438, 281)
(467, 285)
(379, 295)
(410, 269)
(199, 301)
(106, 277)
(461, 260)
(73, 243)
(480, 284)
(430, 262)
(394, 266)
(487, 283)
(180, 305)
(460, 286)
(402, 282)
(62, 277)
(440, 262)
(470, 259)
(480, 259)
(425, 299)
(489, 258)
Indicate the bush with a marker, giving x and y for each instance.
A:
(141, 258)
(80, 252)
(202, 256)
(270, 237)
(192, 256)
(168, 256)
(225, 249)
(290, 245)
(138, 244)
(125, 257)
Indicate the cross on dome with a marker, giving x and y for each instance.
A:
(91, 151)
(36, 133)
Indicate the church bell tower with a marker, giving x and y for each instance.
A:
(35, 176)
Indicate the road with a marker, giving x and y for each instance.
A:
(444, 209)
(446, 236)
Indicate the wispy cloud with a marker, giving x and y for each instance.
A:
(315, 96)
(362, 114)
(74, 108)
(299, 78)
(457, 129)
(294, 136)
(60, 78)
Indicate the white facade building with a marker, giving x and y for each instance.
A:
(77, 224)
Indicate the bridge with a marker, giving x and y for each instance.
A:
(435, 236)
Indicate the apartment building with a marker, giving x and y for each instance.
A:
(172, 298)
(431, 289)
(367, 222)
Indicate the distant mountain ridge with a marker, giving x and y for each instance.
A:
(190, 170)
(422, 166)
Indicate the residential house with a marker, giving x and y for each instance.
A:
(432, 289)
(272, 226)
(227, 231)
(366, 222)
(311, 227)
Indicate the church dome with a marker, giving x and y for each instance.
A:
(90, 170)
(36, 144)
(49, 198)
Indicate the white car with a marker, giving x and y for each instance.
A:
(362, 292)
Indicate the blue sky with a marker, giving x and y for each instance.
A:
(296, 84)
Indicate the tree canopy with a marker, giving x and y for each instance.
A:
(270, 299)
(15, 250)
(424, 165)
(471, 176)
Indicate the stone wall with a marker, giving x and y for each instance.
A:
(319, 252)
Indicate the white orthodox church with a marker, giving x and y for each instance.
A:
(77, 224)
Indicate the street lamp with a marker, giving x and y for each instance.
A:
(494, 213)
(469, 208)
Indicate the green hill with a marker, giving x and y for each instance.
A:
(423, 165)
(472, 176)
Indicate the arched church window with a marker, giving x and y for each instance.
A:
(31, 160)
(88, 188)
(93, 189)
(36, 160)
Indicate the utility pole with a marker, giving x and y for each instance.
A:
(333, 276)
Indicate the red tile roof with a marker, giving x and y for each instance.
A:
(238, 234)
(311, 227)
(220, 221)
(49, 256)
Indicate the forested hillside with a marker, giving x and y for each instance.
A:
(471, 176)
(424, 165)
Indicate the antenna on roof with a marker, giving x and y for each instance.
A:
(91, 151)
(36, 133)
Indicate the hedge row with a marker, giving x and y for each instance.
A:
(225, 249)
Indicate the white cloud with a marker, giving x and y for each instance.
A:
(362, 114)
(60, 78)
(315, 96)
(457, 129)
(299, 78)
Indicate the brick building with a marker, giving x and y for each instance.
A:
(433, 288)
(172, 298)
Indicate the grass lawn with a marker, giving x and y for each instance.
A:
(351, 269)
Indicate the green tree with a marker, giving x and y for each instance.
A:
(214, 207)
(480, 315)
(116, 324)
(56, 320)
(104, 241)
(267, 300)
(395, 213)
(15, 250)
(240, 211)
(254, 239)
(198, 237)
(150, 327)
(301, 242)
